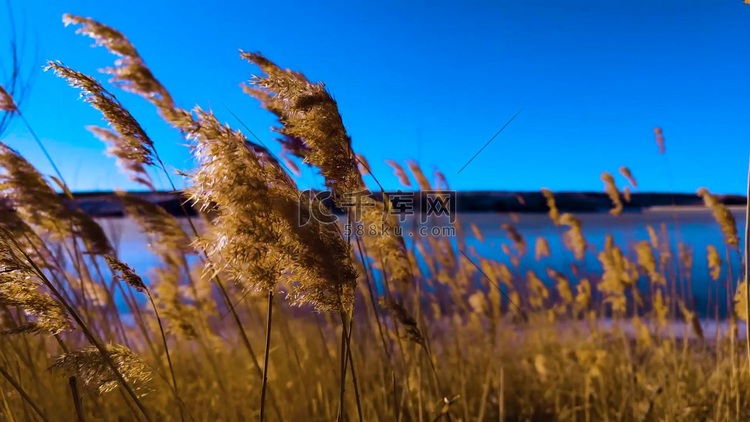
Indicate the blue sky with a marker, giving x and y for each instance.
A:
(433, 81)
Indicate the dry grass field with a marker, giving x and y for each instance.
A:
(256, 316)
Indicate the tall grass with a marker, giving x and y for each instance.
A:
(351, 326)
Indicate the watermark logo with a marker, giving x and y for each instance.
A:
(314, 206)
(440, 204)
(421, 213)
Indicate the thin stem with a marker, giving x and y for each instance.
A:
(265, 356)
(25, 396)
(41, 145)
(76, 399)
(342, 382)
(84, 328)
(180, 403)
(217, 280)
(371, 295)
(354, 374)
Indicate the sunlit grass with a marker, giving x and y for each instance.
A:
(283, 321)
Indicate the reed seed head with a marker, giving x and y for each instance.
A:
(92, 368)
(723, 216)
(6, 101)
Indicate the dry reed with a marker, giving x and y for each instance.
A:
(450, 338)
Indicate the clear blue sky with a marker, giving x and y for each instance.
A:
(433, 81)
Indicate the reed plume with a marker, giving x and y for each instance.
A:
(691, 318)
(127, 140)
(89, 366)
(400, 314)
(538, 292)
(519, 243)
(714, 262)
(660, 143)
(627, 174)
(583, 296)
(6, 101)
(685, 252)
(614, 194)
(125, 273)
(364, 165)
(619, 275)
(574, 239)
(309, 115)
(419, 175)
(260, 210)
(441, 182)
(740, 301)
(166, 231)
(19, 284)
(721, 214)
(647, 261)
(554, 213)
(563, 286)
(478, 303)
(399, 172)
(39, 205)
(129, 71)
(19, 288)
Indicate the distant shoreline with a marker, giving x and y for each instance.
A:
(690, 208)
(105, 204)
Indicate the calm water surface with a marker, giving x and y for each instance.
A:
(695, 228)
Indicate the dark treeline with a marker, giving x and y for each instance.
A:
(105, 204)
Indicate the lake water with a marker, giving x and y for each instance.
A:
(694, 227)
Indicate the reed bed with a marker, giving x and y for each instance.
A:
(252, 315)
